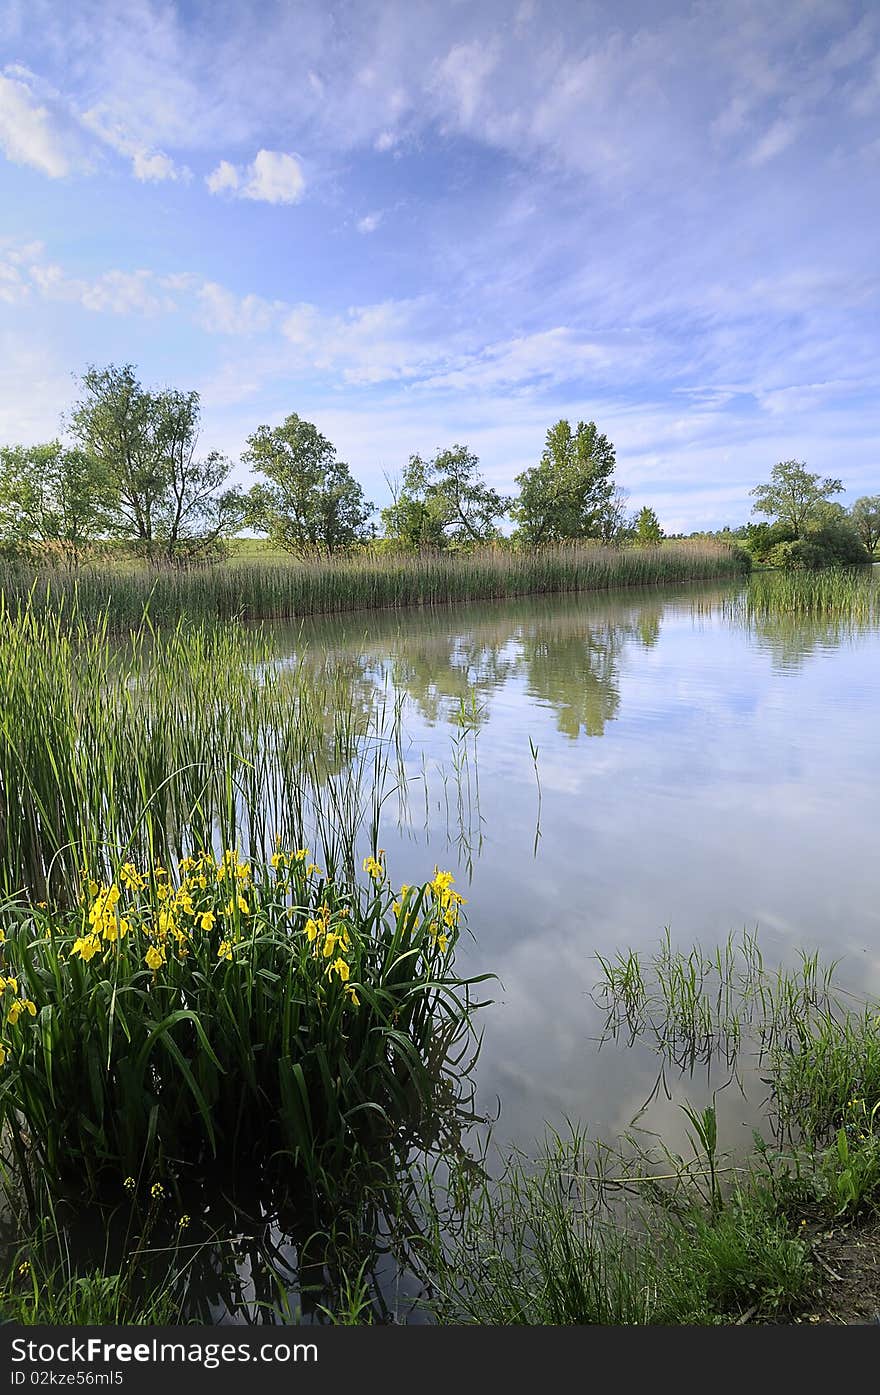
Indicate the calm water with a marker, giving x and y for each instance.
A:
(693, 772)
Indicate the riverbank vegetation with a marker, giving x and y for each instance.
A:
(294, 590)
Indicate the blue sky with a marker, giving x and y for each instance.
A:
(418, 223)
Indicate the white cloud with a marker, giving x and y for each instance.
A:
(272, 177)
(224, 177)
(153, 167)
(29, 131)
(369, 223)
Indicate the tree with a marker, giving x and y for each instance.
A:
(443, 500)
(156, 492)
(570, 493)
(311, 502)
(647, 527)
(794, 496)
(50, 495)
(865, 514)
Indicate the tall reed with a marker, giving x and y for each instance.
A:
(297, 589)
(196, 736)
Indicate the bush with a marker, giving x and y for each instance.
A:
(231, 1014)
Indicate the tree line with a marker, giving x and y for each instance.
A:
(133, 476)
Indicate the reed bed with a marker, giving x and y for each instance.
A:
(846, 594)
(297, 589)
(187, 738)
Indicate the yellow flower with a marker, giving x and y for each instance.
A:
(2, 937)
(374, 866)
(329, 944)
(277, 860)
(154, 958)
(229, 908)
(11, 983)
(31, 1007)
(311, 929)
(243, 906)
(129, 1184)
(301, 854)
(131, 877)
(86, 947)
(443, 943)
(157, 1191)
(349, 989)
(183, 1222)
(313, 867)
(2, 1055)
(208, 919)
(225, 950)
(15, 1012)
(340, 967)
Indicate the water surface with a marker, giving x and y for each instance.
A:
(600, 767)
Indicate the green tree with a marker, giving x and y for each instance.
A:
(570, 494)
(647, 527)
(50, 494)
(793, 496)
(156, 491)
(443, 500)
(865, 514)
(311, 502)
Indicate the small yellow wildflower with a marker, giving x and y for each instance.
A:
(243, 905)
(311, 929)
(340, 967)
(207, 921)
(155, 958)
(183, 1222)
(225, 950)
(86, 946)
(131, 877)
(129, 1184)
(301, 854)
(157, 1191)
(24, 1268)
(277, 860)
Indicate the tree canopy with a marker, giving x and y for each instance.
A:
(793, 496)
(310, 503)
(443, 500)
(155, 492)
(571, 493)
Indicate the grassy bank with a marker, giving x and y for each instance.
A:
(293, 590)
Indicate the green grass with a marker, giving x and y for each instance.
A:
(261, 590)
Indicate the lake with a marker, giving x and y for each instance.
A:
(596, 768)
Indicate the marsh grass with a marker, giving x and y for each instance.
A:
(541, 1246)
(264, 591)
(698, 1006)
(197, 736)
(850, 595)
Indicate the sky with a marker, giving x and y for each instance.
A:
(425, 222)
